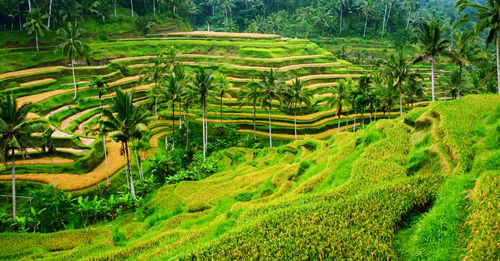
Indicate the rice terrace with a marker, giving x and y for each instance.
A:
(249, 130)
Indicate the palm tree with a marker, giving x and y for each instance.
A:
(152, 74)
(340, 6)
(339, 98)
(72, 48)
(126, 121)
(101, 86)
(35, 24)
(15, 133)
(432, 44)
(188, 99)
(463, 51)
(414, 89)
(397, 68)
(223, 85)
(363, 98)
(251, 94)
(172, 93)
(489, 18)
(203, 84)
(367, 7)
(49, 148)
(411, 5)
(297, 96)
(271, 85)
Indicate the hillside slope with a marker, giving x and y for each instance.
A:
(421, 187)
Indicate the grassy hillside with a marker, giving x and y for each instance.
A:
(419, 187)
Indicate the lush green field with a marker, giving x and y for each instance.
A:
(411, 188)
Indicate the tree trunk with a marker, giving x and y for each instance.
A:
(74, 79)
(254, 127)
(50, 14)
(347, 121)
(187, 129)
(154, 7)
(295, 120)
(115, 6)
(401, 100)
(180, 115)
(459, 81)
(104, 146)
(366, 23)
(203, 130)
(132, 189)
(408, 21)
(363, 120)
(383, 22)
(173, 124)
(36, 40)
(340, 19)
(20, 19)
(29, 6)
(156, 107)
(270, 134)
(221, 110)
(388, 16)
(432, 77)
(126, 166)
(498, 65)
(14, 219)
(132, 8)
(338, 123)
(52, 166)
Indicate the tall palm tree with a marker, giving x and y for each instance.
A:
(432, 44)
(251, 94)
(203, 84)
(101, 86)
(172, 93)
(15, 133)
(339, 98)
(188, 99)
(35, 25)
(489, 18)
(223, 85)
(72, 48)
(125, 122)
(363, 98)
(271, 85)
(49, 148)
(340, 5)
(366, 7)
(153, 74)
(298, 95)
(463, 51)
(397, 68)
(411, 5)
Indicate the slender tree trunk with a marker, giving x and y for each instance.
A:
(29, 6)
(254, 127)
(36, 40)
(388, 17)
(180, 115)
(295, 120)
(126, 166)
(366, 23)
(459, 81)
(104, 145)
(52, 166)
(347, 121)
(221, 110)
(50, 14)
(375, 117)
(401, 101)
(383, 22)
(354, 129)
(132, 189)
(187, 129)
(203, 124)
(132, 8)
(498, 64)
(115, 7)
(14, 218)
(173, 124)
(20, 19)
(338, 123)
(74, 79)
(154, 7)
(270, 133)
(363, 120)
(340, 19)
(432, 77)
(408, 21)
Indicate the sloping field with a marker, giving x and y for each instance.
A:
(421, 187)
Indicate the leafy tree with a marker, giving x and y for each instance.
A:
(102, 87)
(251, 94)
(35, 25)
(339, 99)
(272, 85)
(126, 121)
(203, 85)
(15, 134)
(463, 51)
(488, 14)
(432, 44)
(72, 48)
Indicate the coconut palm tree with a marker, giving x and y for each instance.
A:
(101, 86)
(397, 68)
(15, 134)
(172, 93)
(72, 48)
(298, 95)
(488, 14)
(366, 7)
(49, 148)
(414, 89)
(189, 98)
(223, 85)
(203, 84)
(339, 99)
(35, 25)
(125, 122)
(463, 51)
(251, 94)
(272, 85)
(432, 44)
(153, 74)
(363, 98)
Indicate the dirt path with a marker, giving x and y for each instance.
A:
(81, 127)
(28, 72)
(43, 161)
(153, 141)
(222, 57)
(56, 111)
(73, 182)
(67, 121)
